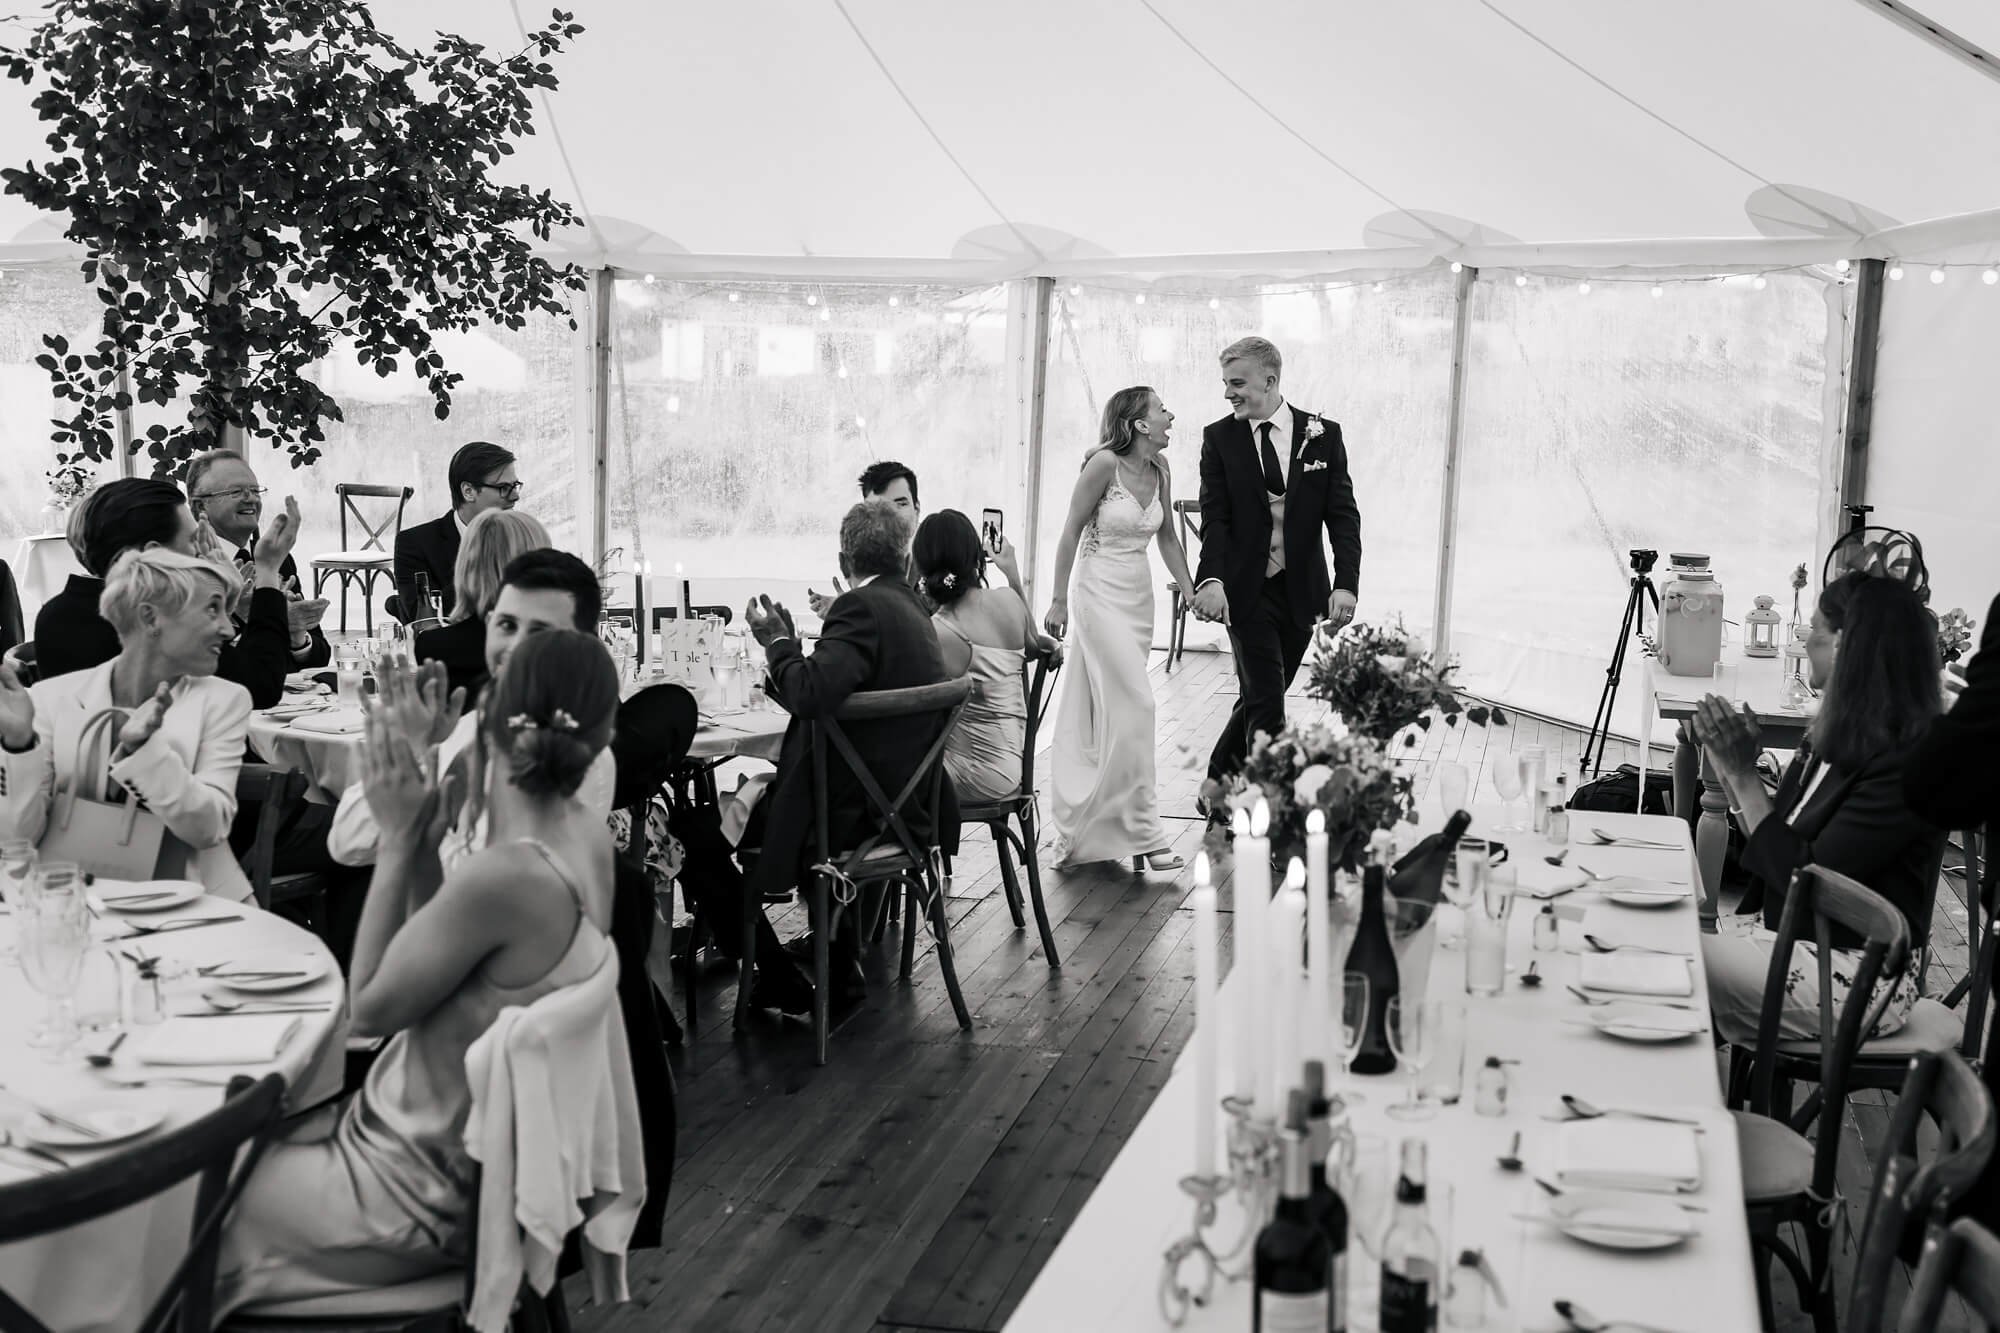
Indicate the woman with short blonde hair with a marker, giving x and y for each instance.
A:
(492, 539)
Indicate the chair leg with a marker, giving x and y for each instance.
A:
(1009, 881)
(367, 603)
(1031, 861)
(1767, 1309)
(1819, 1252)
(687, 969)
(822, 926)
(940, 927)
(910, 919)
(746, 974)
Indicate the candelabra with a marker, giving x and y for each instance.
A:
(1253, 1179)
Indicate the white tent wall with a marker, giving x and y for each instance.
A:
(1934, 459)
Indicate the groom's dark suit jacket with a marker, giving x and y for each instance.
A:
(1236, 517)
(875, 637)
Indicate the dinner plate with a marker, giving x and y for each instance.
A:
(108, 893)
(1622, 1221)
(303, 970)
(1630, 891)
(1647, 1022)
(114, 1124)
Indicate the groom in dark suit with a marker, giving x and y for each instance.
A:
(1272, 478)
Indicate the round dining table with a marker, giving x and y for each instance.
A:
(102, 1276)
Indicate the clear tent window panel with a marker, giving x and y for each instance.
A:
(1377, 362)
(36, 300)
(1601, 422)
(742, 415)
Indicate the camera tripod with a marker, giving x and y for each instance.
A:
(1633, 623)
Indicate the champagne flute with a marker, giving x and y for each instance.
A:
(1413, 1027)
(1454, 784)
(1506, 774)
(55, 933)
(1353, 1024)
(1366, 1183)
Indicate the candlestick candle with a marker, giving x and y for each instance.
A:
(1253, 896)
(1319, 943)
(681, 592)
(642, 614)
(1207, 1020)
(1245, 930)
(1286, 922)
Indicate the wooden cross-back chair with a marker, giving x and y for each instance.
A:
(1186, 514)
(1964, 1260)
(1013, 818)
(374, 558)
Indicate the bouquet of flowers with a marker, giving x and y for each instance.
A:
(1798, 586)
(1322, 766)
(1954, 635)
(68, 483)
(1383, 681)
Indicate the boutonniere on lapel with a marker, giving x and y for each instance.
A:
(1314, 429)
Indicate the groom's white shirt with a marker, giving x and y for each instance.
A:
(1281, 442)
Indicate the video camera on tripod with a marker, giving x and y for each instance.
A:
(1633, 622)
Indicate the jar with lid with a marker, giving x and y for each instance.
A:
(1691, 617)
(1761, 629)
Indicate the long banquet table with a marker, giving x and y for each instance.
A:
(1104, 1276)
(101, 1276)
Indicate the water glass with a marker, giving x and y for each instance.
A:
(1454, 784)
(100, 991)
(1727, 681)
(1486, 933)
(1353, 1025)
(1444, 1077)
(1506, 775)
(54, 935)
(1413, 1038)
(350, 665)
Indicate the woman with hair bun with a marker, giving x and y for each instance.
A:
(378, 1188)
(1101, 768)
(985, 633)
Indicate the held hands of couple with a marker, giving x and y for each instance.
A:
(1210, 602)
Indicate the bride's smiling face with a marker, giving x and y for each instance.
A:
(1159, 423)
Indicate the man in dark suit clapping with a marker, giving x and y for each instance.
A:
(876, 636)
(223, 492)
(482, 477)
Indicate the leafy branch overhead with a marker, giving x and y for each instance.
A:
(254, 181)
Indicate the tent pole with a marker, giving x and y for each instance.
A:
(1454, 444)
(593, 441)
(1036, 386)
(1935, 33)
(1861, 383)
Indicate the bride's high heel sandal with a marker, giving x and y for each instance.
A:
(1157, 861)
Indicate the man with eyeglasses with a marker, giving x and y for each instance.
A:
(227, 502)
(482, 477)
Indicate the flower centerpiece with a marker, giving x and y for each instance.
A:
(1383, 681)
(1323, 766)
(1799, 578)
(1954, 635)
(68, 483)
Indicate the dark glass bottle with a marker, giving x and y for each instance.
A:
(1323, 1201)
(1411, 1255)
(1419, 875)
(1374, 957)
(1292, 1259)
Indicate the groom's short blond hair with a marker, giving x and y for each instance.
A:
(1258, 351)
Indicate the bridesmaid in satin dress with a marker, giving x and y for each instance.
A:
(1101, 767)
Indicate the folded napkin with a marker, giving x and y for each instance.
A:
(1635, 973)
(1538, 879)
(239, 1039)
(1620, 1153)
(337, 722)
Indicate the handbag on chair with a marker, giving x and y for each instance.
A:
(114, 839)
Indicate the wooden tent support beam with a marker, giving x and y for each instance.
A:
(1044, 294)
(1861, 383)
(1454, 444)
(1930, 30)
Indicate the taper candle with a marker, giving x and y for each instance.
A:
(1247, 948)
(1253, 895)
(1319, 943)
(1207, 1020)
(1286, 923)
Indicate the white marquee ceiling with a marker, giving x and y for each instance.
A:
(1092, 137)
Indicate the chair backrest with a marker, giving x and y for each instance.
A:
(274, 793)
(1188, 514)
(222, 1149)
(1989, 942)
(942, 703)
(1962, 1259)
(1039, 684)
(22, 658)
(392, 520)
(1818, 901)
(1943, 1087)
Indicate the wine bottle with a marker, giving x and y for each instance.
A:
(1292, 1257)
(1411, 1254)
(1419, 876)
(1323, 1201)
(1374, 957)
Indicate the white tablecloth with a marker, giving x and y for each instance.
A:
(42, 565)
(1104, 1275)
(103, 1275)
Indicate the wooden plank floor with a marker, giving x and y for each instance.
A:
(920, 1180)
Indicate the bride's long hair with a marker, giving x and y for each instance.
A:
(1125, 407)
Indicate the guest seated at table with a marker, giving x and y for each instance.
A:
(378, 1188)
(1872, 653)
(492, 540)
(180, 746)
(876, 637)
(482, 477)
(987, 633)
(540, 591)
(223, 493)
(134, 512)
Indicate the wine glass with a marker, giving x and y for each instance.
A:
(1367, 1183)
(54, 935)
(1463, 878)
(1454, 784)
(1506, 773)
(1413, 1028)
(1353, 1026)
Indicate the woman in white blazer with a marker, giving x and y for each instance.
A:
(180, 746)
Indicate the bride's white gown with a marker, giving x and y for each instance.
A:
(1101, 763)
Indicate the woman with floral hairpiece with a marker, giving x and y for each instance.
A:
(378, 1188)
(1872, 652)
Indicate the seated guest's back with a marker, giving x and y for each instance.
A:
(378, 1188)
(1873, 654)
(492, 540)
(986, 633)
(178, 747)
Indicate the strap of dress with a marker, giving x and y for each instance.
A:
(562, 873)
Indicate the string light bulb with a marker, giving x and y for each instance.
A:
(1378, 286)
(1583, 289)
(1214, 303)
(1658, 291)
(1937, 275)
(1841, 265)
(1520, 279)
(1140, 299)
(895, 301)
(650, 279)
(843, 372)
(1759, 282)
(1457, 267)
(1076, 291)
(860, 421)
(673, 402)
(1990, 276)
(736, 296)
(1895, 272)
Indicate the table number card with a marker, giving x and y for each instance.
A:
(687, 654)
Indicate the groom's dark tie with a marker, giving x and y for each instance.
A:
(1274, 480)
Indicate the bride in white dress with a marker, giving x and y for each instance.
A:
(1101, 767)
